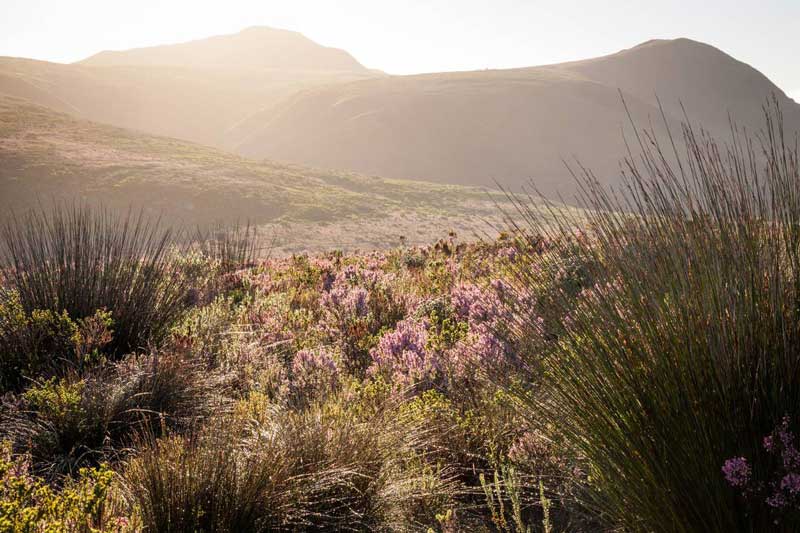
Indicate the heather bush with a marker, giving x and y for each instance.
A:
(677, 345)
(357, 305)
(771, 481)
(330, 392)
(403, 357)
(314, 375)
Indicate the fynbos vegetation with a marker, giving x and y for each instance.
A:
(631, 366)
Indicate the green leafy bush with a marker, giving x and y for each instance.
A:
(43, 342)
(84, 505)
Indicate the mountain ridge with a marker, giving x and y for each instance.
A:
(512, 125)
(198, 103)
(253, 47)
(473, 128)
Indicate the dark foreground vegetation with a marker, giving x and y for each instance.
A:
(634, 367)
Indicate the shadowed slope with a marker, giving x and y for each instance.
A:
(510, 125)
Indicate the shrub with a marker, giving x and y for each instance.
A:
(43, 343)
(71, 422)
(32, 343)
(684, 353)
(325, 468)
(84, 505)
(776, 483)
(78, 260)
(357, 305)
(315, 374)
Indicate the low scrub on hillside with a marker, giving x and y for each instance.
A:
(634, 369)
(339, 391)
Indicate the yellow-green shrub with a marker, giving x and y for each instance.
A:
(82, 505)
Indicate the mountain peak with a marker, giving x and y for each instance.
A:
(267, 30)
(676, 41)
(256, 47)
(686, 74)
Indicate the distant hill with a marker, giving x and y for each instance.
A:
(274, 94)
(47, 155)
(258, 47)
(510, 125)
(708, 82)
(196, 91)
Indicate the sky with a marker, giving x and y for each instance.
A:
(412, 36)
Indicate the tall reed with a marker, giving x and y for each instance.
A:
(232, 246)
(684, 349)
(80, 259)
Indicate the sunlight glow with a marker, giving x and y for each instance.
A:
(417, 36)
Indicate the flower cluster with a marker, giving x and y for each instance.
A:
(737, 472)
(779, 488)
(402, 353)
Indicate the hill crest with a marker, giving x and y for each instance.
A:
(258, 47)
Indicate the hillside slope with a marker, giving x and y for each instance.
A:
(46, 155)
(511, 125)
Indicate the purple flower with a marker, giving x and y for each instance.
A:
(737, 471)
(476, 305)
(791, 483)
(779, 488)
(410, 336)
(481, 348)
(403, 355)
(777, 500)
(327, 280)
(508, 252)
(345, 299)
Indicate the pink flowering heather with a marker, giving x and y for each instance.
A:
(476, 305)
(314, 373)
(402, 354)
(480, 351)
(509, 253)
(791, 483)
(345, 299)
(267, 321)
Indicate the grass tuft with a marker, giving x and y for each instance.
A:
(679, 348)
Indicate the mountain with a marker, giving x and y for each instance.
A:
(196, 91)
(511, 125)
(47, 155)
(258, 47)
(707, 82)
(273, 94)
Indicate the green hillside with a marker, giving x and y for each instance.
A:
(45, 155)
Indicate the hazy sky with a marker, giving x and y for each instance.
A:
(408, 36)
